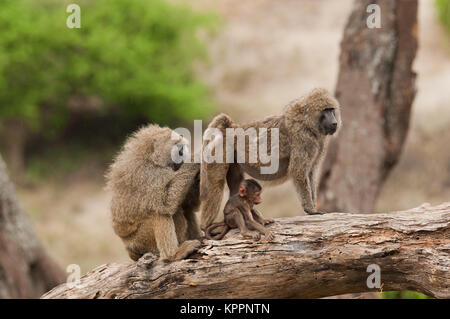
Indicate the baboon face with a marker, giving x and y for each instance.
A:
(251, 190)
(170, 148)
(328, 123)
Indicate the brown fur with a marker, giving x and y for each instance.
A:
(239, 212)
(153, 203)
(302, 147)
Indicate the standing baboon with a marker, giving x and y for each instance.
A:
(154, 199)
(303, 130)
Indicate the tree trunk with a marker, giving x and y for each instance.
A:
(25, 269)
(376, 89)
(14, 139)
(311, 257)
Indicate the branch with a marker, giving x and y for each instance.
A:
(311, 257)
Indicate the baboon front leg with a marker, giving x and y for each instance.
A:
(260, 218)
(258, 223)
(303, 186)
(178, 186)
(240, 222)
(300, 166)
(167, 242)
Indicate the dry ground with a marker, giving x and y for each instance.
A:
(266, 54)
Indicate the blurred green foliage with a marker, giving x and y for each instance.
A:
(134, 56)
(405, 294)
(443, 8)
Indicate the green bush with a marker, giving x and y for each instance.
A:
(443, 8)
(135, 56)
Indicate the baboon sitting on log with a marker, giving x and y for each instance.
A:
(153, 198)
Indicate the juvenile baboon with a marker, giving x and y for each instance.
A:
(154, 199)
(240, 213)
(304, 128)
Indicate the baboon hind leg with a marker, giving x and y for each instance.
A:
(193, 227)
(167, 242)
(141, 241)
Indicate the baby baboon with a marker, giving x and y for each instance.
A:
(304, 128)
(239, 213)
(154, 199)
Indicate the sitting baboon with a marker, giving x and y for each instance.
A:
(154, 199)
(239, 212)
(304, 127)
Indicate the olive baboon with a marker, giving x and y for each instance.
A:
(304, 127)
(240, 213)
(154, 199)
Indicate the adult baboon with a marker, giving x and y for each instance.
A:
(304, 128)
(154, 199)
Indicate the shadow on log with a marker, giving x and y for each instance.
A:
(311, 257)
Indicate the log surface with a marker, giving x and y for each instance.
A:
(311, 257)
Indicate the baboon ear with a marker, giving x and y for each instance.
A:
(242, 191)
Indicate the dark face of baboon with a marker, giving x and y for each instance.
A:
(328, 123)
(180, 151)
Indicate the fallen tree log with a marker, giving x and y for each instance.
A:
(311, 257)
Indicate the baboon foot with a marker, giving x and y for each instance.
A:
(185, 249)
(252, 234)
(269, 237)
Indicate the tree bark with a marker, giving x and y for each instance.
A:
(376, 88)
(26, 271)
(311, 257)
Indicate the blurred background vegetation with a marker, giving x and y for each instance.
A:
(69, 97)
(130, 63)
(443, 8)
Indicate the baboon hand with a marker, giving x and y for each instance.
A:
(269, 237)
(268, 221)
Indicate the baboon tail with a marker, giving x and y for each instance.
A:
(219, 236)
(221, 121)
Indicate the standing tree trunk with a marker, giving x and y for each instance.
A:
(14, 139)
(376, 89)
(26, 271)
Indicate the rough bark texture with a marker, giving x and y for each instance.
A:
(312, 256)
(376, 90)
(25, 269)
